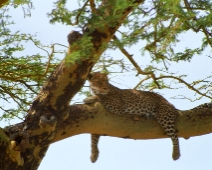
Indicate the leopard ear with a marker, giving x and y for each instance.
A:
(90, 76)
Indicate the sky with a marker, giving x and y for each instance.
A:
(122, 154)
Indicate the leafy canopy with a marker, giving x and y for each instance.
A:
(157, 24)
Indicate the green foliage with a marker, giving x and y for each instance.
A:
(21, 77)
(85, 46)
(60, 13)
(157, 24)
(18, 2)
(187, 54)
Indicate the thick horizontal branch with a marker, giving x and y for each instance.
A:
(96, 120)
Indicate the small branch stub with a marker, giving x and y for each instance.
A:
(73, 36)
(47, 120)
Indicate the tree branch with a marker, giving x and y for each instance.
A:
(204, 30)
(92, 6)
(49, 109)
(94, 119)
(188, 85)
(79, 13)
(3, 2)
(129, 56)
(151, 74)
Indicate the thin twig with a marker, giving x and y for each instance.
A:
(20, 77)
(204, 30)
(49, 60)
(79, 13)
(14, 97)
(146, 78)
(11, 113)
(184, 82)
(129, 56)
(140, 71)
(28, 86)
(93, 6)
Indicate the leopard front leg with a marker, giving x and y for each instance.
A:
(94, 147)
(168, 124)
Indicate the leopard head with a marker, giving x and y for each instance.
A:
(99, 83)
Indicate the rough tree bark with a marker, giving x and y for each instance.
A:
(3, 2)
(25, 147)
(96, 120)
(51, 119)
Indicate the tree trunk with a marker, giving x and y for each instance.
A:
(51, 119)
(3, 2)
(24, 145)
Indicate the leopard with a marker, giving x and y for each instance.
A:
(203, 106)
(134, 102)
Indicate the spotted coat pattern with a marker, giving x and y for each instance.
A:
(129, 101)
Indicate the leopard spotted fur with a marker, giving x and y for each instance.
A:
(129, 101)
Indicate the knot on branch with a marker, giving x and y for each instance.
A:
(19, 141)
(14, 128)
(73, 36)
(47, 120)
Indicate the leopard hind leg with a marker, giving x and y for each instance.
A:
(168, 124)
(94, 147)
